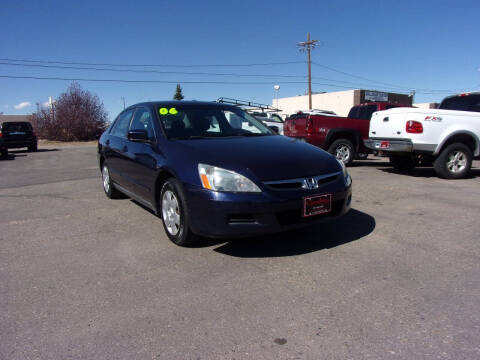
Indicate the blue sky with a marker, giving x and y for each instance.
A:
(423, 45)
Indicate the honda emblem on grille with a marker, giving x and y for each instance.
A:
(310, 183)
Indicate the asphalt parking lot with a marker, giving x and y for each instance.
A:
(85, 277)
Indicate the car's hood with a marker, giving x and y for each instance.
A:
(266, 157)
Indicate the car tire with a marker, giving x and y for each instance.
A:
(33, 147)
(343, 150)
(108, 186)
(454, 162)
(362, 156)
(402, 163)
(4, 153)
(174, 214)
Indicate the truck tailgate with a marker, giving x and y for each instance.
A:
(386, 124)
(296, 126)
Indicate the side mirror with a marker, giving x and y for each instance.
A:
(138, 136)
(274, 129)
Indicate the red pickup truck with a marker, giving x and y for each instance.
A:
(340, 136)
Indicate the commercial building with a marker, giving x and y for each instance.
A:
(339, 101)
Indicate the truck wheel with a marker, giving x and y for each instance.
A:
(343, 150)
(454, 162)
(402, 163)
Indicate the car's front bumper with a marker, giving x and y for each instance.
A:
(216, 214)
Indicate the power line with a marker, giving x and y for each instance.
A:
(384, 83)
(174, 72)
(157, 81)
(152, 65)
(38, 63)
(186, 82)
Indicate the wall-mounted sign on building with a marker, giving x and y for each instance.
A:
(376, 96)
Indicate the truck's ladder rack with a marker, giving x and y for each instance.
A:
(249, 106)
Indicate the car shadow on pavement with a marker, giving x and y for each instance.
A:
(353, 226)
(28, 151)
(10, 156)
(427, 172)
(371, 163)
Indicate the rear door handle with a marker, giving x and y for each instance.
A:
(107, 142)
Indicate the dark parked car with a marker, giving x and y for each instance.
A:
(19, 134)
(213, 170)
(3, 147)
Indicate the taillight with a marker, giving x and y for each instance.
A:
(0, 134)
(414, 127)
(309, 125)
(34, 133)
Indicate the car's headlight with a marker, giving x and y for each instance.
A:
(346, 175)
(218, 179)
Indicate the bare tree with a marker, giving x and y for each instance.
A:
(77, 115)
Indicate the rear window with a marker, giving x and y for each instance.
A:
(353, 114)
(13, 127)
(462, 103)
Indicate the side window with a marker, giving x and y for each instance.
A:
(143, 121)
(121, 125)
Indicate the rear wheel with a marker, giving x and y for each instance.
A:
(454, 162)
(343, 150)
(402, 163)
(4, 153)
(108, 186)
(33, 147)
(173, 210)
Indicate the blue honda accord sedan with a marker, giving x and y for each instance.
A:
(209, 169)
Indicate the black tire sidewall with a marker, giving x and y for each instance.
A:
(440, 164)
(333, 147)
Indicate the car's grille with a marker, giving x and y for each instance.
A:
(302, 183)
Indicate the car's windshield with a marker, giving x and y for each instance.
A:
(208, 122)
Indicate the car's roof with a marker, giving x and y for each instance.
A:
(182, 103)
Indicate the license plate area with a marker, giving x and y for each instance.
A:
(383, 145)
(317, 204)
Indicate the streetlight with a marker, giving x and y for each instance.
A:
(276, 88)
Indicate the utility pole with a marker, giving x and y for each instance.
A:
(123, 98)
(307, 46)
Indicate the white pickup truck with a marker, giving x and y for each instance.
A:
(447, 137)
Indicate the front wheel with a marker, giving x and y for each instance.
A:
(33, 147)
(173, 210)
(454, 162)
(343, 150)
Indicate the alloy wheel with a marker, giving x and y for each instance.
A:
(456, 162)
(106, 179)
(171, 212)
(342, 152)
